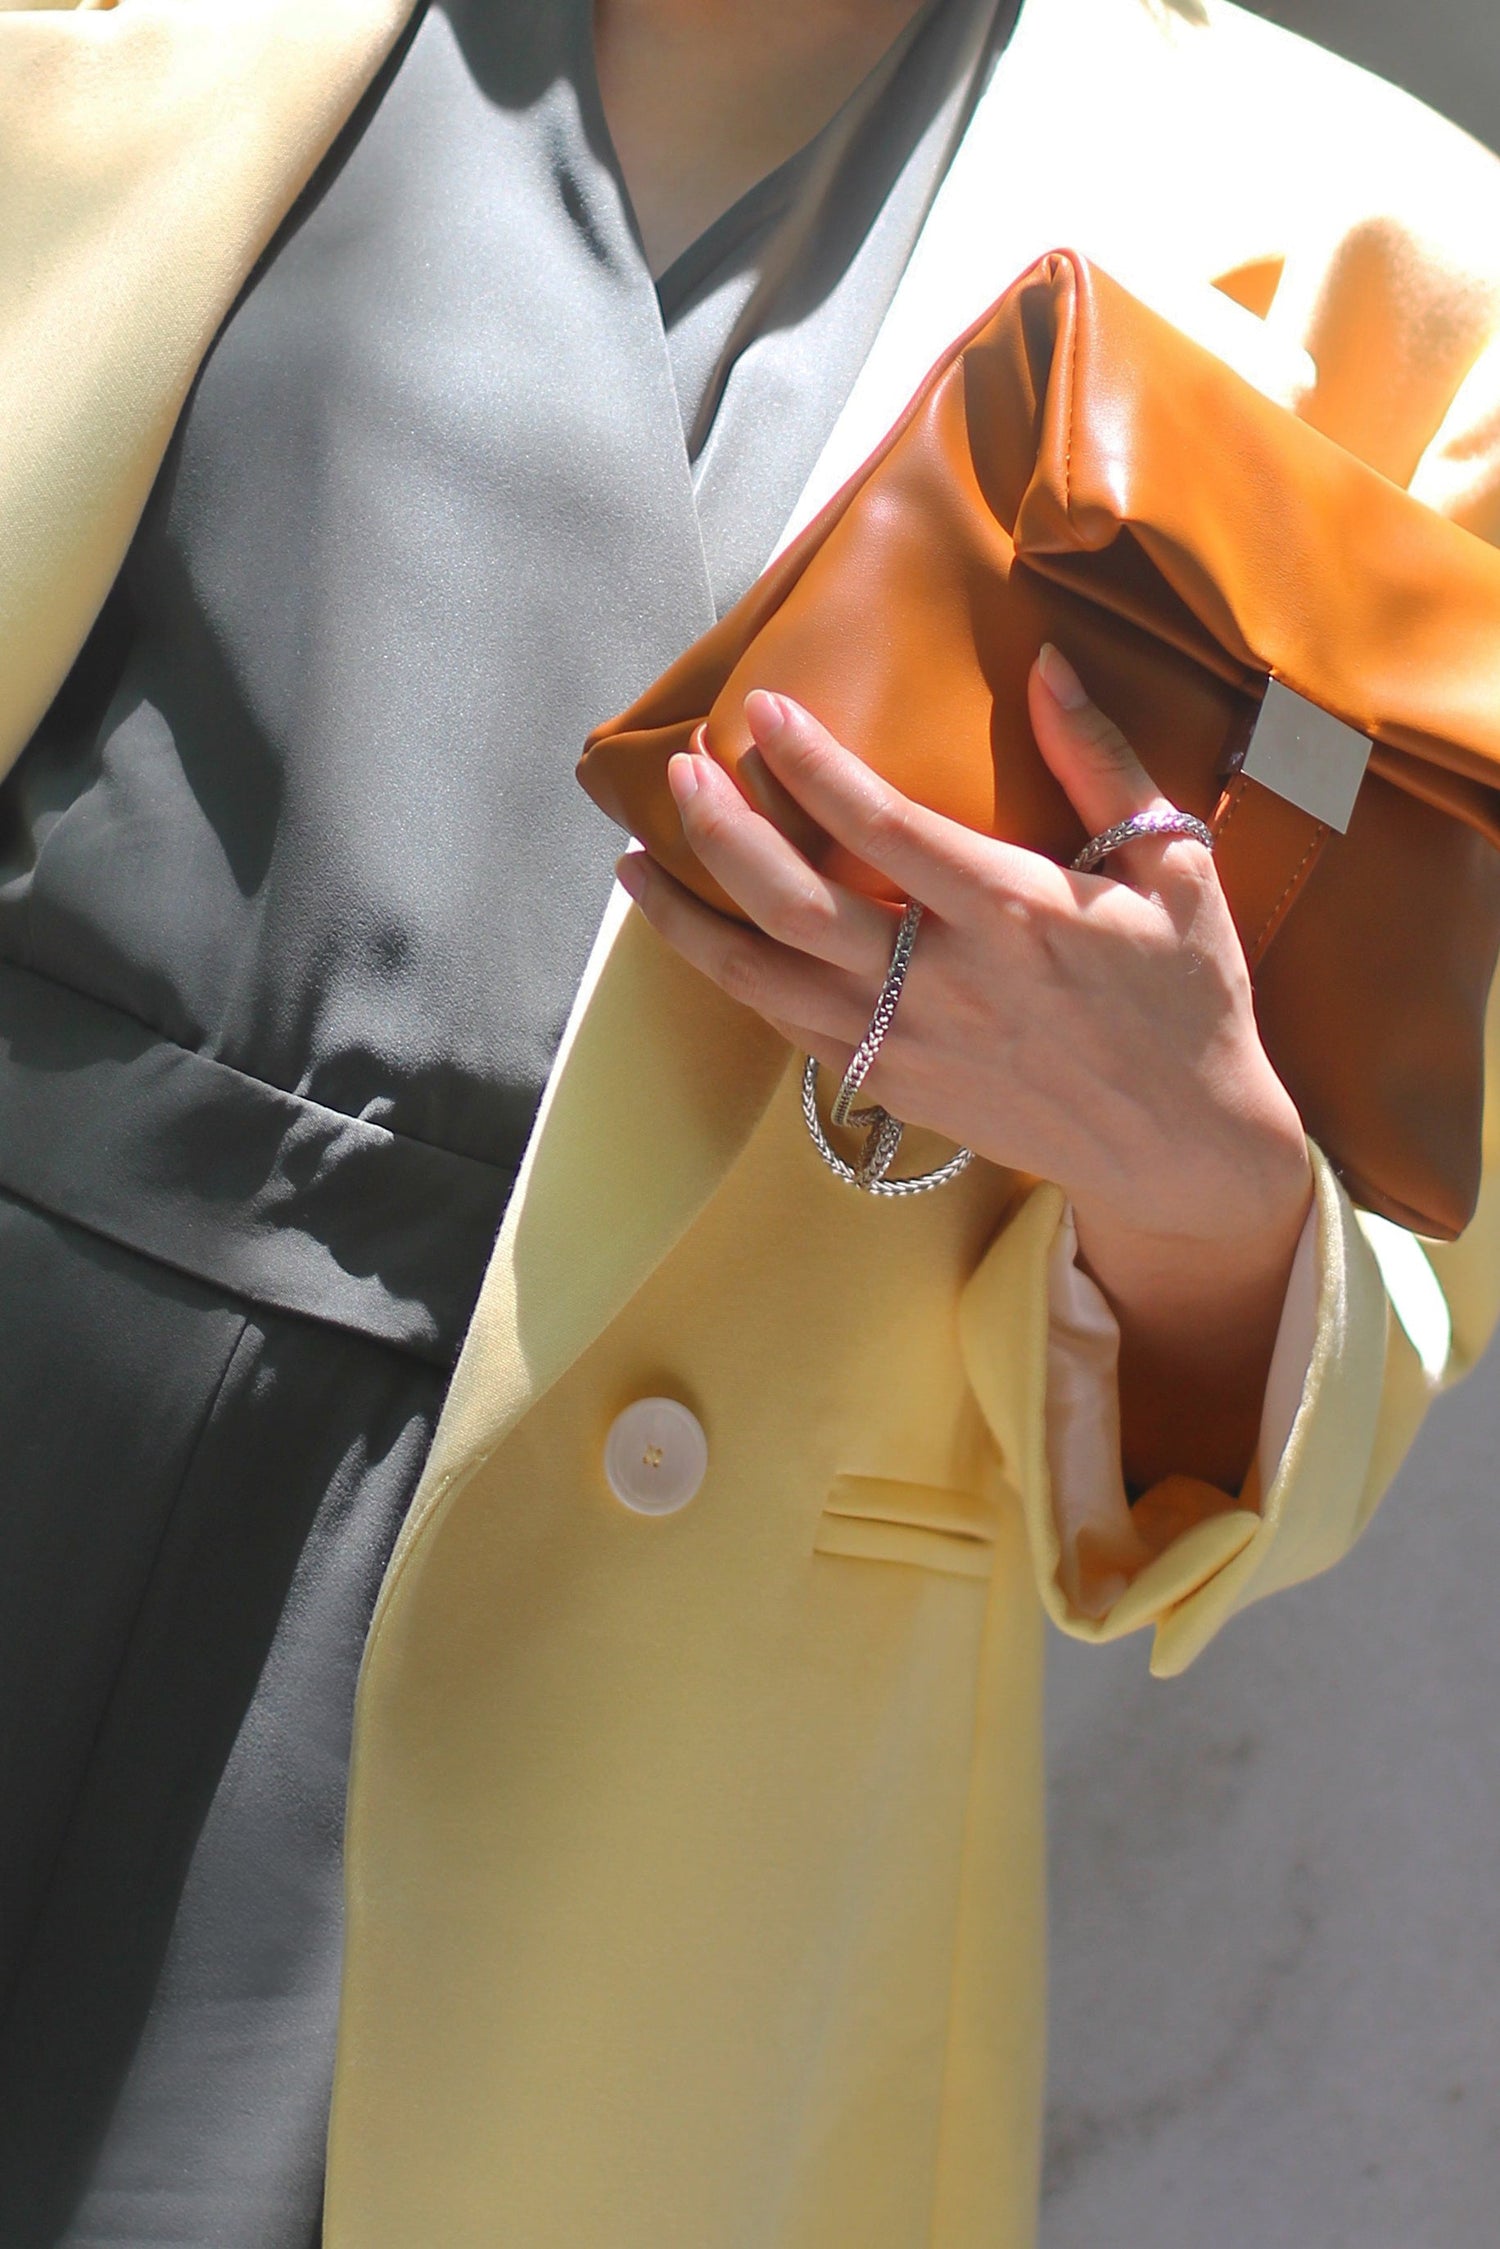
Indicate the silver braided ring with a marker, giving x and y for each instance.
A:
(1141, 824)
(869, 1046)
(870, 1172)
(883, 1131)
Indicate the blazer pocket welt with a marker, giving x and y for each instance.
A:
(888, 1519)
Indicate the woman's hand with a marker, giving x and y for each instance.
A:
(1096, 1030)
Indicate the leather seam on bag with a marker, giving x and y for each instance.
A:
(1072, 403)
(1279, 910)
(1234, 797)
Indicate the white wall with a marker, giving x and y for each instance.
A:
(1276, 1882)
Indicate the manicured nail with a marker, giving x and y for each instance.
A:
(1060, 680)
(682, 777)
(766, 714)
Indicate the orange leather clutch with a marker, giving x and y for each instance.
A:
(1300, 652)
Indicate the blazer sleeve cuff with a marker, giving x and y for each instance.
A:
(1186, 1556)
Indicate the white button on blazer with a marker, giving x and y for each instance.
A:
(655, 1456)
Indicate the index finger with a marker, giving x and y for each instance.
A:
(926, 856)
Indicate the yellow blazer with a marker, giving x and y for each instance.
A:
(695, 1863)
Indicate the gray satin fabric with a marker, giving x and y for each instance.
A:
(195, 1532)
(427, 519)
(772, 312)
(309, 1211)
(295, 890)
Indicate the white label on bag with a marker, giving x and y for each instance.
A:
(1308, 756)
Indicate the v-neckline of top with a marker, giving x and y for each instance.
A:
(698, 257)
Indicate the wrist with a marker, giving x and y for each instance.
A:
(1204, 1226)
(1198, 1309)
(1248, 1244)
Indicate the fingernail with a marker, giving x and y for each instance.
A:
(1060, 680)
(630, 873)
(682, 777)
(766, 714)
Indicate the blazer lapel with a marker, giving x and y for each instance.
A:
(147, 156)
(658, 1085)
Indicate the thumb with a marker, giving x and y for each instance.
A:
(1104, 779)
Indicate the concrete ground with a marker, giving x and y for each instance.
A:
(1276, 1903)
(1446, 51)
(1276, 1882)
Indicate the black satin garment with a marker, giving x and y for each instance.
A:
(295, 890)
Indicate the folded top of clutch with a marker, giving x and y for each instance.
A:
(1074, 468)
